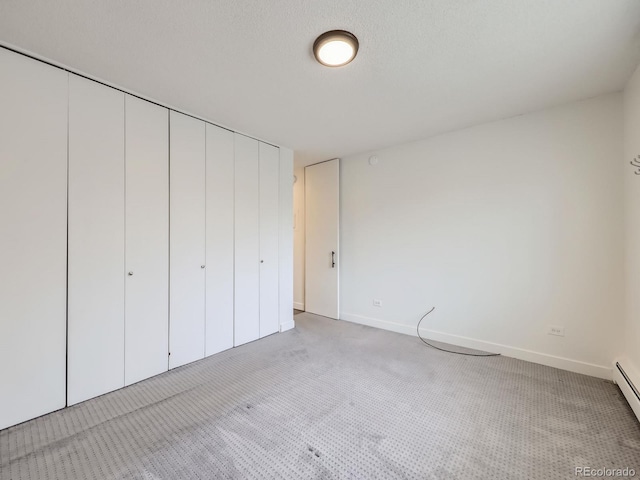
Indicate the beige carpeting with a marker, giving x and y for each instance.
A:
(335, 400)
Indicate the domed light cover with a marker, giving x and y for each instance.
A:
(335, 48)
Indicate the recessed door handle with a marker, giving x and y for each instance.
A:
(130, 274)
(201, 266)
(333, 259)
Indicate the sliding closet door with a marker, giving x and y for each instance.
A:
(247, 241)
(96, 239)
(33, 246)
(269, 208)
(147, 240)
(187, 246)
(219, 281)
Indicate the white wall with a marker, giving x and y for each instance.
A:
(506, 228)
(298, 239)
(632, 224)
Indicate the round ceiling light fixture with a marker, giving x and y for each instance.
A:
(335, 48)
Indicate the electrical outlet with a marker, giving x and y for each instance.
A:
(555, 330)
(377, 303)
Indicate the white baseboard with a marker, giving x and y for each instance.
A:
(634, 377)
(571, 365)
(298, 306)
(287, 326)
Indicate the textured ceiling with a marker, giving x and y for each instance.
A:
(424, 66)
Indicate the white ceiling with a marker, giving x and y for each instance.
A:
(424, 66)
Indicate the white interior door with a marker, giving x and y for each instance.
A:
(187, 240)
(322, 219)
(96, 240)
(33, 244)
(269, 206)
(247, 241)
(147, 240)
(219, 271)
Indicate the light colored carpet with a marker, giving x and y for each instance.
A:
(335, 400)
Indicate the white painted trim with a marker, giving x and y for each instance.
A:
(571, 365)
(298, 305)
(287, 326)
(634, 376)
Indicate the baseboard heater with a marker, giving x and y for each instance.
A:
(628, 388)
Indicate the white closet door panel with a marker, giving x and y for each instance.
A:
(147, 240)
(247, 241)
(96, 239)
(33, 244)
(187, 240)
(219, 276)
(285, 247)
(269, 209)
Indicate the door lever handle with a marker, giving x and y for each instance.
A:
(333, 259)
